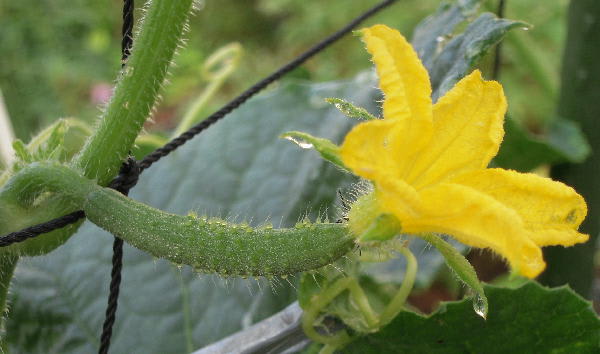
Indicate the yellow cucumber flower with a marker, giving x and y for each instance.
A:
(427, 163)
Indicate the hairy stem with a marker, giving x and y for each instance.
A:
(137, 90)
(7, 267)
(397, 303)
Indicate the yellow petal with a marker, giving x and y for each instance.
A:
(368, 150)
(405, 84)
(552, 211)
(403, 79)
(478, 220)
(467, 131)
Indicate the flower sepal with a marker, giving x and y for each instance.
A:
(463, 270)
(350, 110)
(384, 227)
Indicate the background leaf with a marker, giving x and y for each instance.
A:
(564, 142)
(449, 56)
(530, 319)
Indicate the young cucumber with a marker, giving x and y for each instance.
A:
(208, 245)
(215, 246)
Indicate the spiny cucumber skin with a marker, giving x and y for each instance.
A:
(214, 246)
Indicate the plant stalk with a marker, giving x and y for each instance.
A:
(136, 93)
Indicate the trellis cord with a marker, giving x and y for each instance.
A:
(113, 297)
(33, 231)
(36, 230)
(130, 174)
(127, 30)
(128, 177)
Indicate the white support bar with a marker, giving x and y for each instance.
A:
(7, 136)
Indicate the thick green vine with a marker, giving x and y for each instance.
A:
(137, 91)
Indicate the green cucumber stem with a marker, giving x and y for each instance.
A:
(137, 91)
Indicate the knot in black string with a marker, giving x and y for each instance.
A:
(128, 177)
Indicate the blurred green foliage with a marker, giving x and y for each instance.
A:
(60, 57)
(53, 52)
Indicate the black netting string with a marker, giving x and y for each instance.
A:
(36, 230)
(498, 52)
(127, 30)
(113, 297)
(127, 178)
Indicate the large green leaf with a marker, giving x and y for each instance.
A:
(564, 142)
(449, 56)
(530, 319)
(238, 169)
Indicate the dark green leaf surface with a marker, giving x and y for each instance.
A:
(521, 151)
(530, 319)
(430, 33)
(448, 56)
